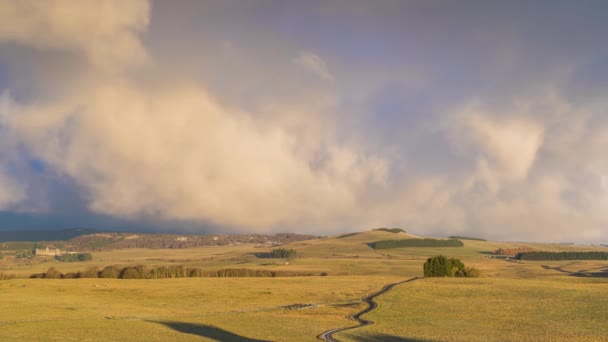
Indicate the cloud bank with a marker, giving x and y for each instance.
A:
(233, 135)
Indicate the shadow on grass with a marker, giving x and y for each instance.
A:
(581, 273)
(386, 338)
(206, 331)
(262, 255)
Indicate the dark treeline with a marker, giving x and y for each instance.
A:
(283, 253)
(132, 240)
(161, 272)
(74, 257)
(466, 238)
(589, 255)
(391, 230)
(512, 251)
(385, 244)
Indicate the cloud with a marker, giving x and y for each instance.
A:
(506, 145)
(105, 32)
(169, 149)
(10, 191)
(146, 126)
(314, 64)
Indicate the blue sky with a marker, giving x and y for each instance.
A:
(485, 118)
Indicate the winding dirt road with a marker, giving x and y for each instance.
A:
(328, 335)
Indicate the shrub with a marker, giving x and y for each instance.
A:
(110, 272)
(24, 255)
(134, 272)
(90, 272)
(471, 272)
(53, 273)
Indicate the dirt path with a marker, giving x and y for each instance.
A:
(328, 335)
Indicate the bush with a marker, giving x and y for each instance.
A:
(91, 272)
(110, 272)
(471, 272)
(53, 273)
(129, 273)
(24, 255)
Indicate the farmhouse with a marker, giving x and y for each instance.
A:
(47, 252)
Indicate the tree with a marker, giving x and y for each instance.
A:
(110, 272)
(441, 266)
(90, 272)
(283, 253)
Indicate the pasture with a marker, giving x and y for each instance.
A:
(510, 302)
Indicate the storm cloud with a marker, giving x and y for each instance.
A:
(473, 118)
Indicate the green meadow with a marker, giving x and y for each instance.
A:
(531, 300)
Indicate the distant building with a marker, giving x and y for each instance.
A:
(47, 252)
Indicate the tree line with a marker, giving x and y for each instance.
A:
(386, 244)
(573, 255)
(512, 251)
(74, 257)
(391, 230)
(466, 238)
(283, 253)
(161, 272)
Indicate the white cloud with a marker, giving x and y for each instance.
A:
(10, 191)
(156, 139)
(169, 148)
(105, 32)
(313, 63)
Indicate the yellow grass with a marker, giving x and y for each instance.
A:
(548, 309)
(512, 301)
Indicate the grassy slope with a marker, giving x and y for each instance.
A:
(547, 309)
(131, 309)
(195, 308)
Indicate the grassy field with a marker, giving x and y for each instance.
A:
(546, 301)
(490, 309)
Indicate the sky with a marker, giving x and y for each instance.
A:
(479, 118)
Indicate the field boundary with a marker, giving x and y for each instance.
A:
(372, 305)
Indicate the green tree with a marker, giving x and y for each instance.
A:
(441, 266)
(283, 253)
